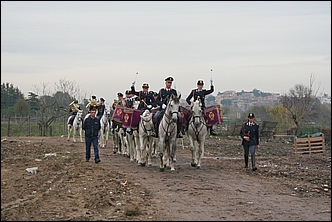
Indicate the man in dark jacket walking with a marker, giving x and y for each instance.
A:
(91, 126)
(250, 140)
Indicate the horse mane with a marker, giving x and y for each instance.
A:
(175, 98)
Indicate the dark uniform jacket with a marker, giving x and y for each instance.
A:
(145, 98)
(251, 132)
(164, 95)
(91, 126)
(101, 109)
(202, 93)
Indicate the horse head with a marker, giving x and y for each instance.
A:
(173, 107)
(79, 114)
(107, 111)
(197, 112)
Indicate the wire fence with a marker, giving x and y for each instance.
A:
(30, 126)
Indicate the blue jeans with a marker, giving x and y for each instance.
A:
(94, 142)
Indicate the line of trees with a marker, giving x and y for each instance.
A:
(299, 106)
(47, 106)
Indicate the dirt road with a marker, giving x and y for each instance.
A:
(65, 187)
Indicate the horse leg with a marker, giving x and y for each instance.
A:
(102, 138)
(131, 147)
(172, 151)
(69, 131)
(80, 130)
(74, 132)
(107, 132)
(136, 147)
(149, 150)
(161, 154)
(200, 153)
(193, 151)
(142, 160)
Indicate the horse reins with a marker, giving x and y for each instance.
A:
(169, 117)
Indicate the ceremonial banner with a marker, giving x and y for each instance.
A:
(185, 114)
(131, 118)
(213, 115)
(118, 114)
(136, 117)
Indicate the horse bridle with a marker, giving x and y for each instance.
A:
(143, 125)
(169, 117)
(193, 125)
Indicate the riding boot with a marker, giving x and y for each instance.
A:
(179, 132)
(179, 128)
(254, 168)
(212, 132)
(156, 130)
(246, 161)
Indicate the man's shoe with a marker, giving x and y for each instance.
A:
(180, 135)
(246, 166)
(86, 160)
(254, 168)
(97, 161)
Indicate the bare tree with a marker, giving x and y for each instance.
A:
(300, 102)
(57, 105)
(70, 88)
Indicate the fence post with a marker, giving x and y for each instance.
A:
(8, 128)
(29, 126)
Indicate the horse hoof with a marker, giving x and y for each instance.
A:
(199, 167)
(193, 164)
(142, 164)
(162, 169)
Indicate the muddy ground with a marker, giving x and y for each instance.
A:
(65, 187)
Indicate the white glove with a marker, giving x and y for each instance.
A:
(133, 83)
(149, 106)
(211, 81)
(163, 106)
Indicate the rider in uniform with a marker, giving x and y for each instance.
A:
(120, 102)
(162, 100)
(200, 92)
(129, 100)
(101, 107)
(74, 107)
(93, 103)
(145, 97)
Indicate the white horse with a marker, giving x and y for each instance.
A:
(145, 130)
(131, 141)
(119, 140)
(168, 133)
(77, 126)
(197, 132)
(105, 126)
(132, 137)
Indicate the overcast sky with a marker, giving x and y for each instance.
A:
(269, 46)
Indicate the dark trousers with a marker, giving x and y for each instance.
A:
(94, 142)
(252, 150)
